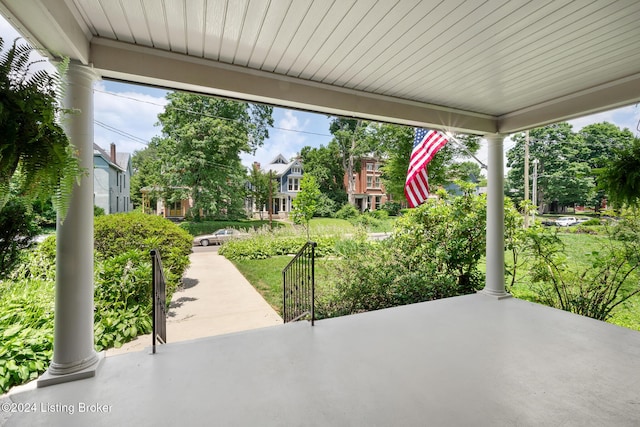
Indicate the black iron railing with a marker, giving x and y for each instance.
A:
(298, 279)
(158, 288)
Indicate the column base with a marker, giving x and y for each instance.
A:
(495, 294)
(49, 378)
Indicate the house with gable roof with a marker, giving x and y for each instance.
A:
(111, 180)
(288, 174)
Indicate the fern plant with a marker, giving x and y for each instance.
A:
(35, 152)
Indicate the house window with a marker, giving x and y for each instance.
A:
(378, 198)
(294, 184)
(296, 170)
(369, 166)
(376, 182)
(369, 181)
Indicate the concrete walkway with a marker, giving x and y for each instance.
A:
(216, 299)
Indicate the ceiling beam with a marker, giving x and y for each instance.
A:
(52, 27)
(127, 62)
(608, 96)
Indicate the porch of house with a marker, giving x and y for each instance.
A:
(471, 360)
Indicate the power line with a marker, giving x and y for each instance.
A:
(207, 115)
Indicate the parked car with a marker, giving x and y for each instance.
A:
(565, 221)
(218, 237)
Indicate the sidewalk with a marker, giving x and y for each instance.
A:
(216, 299)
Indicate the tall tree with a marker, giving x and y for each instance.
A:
(200, 150)
(325, 165)
(353, 142)
(563, 178)
(146, 165)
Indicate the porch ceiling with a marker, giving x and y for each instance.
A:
(498, 65)
(471, 360)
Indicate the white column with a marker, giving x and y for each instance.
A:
(74, 356)
(495, 218)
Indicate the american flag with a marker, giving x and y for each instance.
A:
(425, 145)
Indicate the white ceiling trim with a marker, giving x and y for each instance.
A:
(145, 65)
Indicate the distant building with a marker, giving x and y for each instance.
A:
(111, 180)
(370, 192)
(288, 174)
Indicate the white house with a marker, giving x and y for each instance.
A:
(112, 180)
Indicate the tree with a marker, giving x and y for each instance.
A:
(396, 144)
(200, 150)
(261, 187)
(325, 165)
(306, 202)
(36, 157)
(602, 141)
(620, 177)
(563, 179)
(146, 165)
(350, 136)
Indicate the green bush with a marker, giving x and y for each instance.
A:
(347, 211)
(119, 233)
(208, 227)
(392, 208)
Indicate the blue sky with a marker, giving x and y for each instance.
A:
(127, 116)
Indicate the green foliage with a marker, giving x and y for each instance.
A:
(118, 233)
(264, 244)
(199, 152)
(17, 229)
(392, 208)
(35, 153)
(347, 211)
(98, 211)
(432, 253)
(26, 330)
(606, 278)
(305, 204)
(326, 206)
(208, 227)
(620, 177)
(325, 165)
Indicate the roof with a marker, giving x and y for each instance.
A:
(481, 67)
(279, 165)
(122, 159)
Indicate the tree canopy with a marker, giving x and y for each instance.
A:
(567, 163)
(199, 151)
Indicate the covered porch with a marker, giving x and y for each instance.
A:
(490, 69)
(471, 360)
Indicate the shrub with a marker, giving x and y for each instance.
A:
(347, 211)
(98, 211)
(17, 229)
(392, 208)
(119, 233)
(208, 227)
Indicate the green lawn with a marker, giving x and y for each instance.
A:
(266, 276)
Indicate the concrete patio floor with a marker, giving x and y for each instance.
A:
(470, 360)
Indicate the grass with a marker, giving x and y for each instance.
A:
(266, 276)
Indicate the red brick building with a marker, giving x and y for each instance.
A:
(369, 191)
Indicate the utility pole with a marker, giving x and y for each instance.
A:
(526, 176)
(535, 187)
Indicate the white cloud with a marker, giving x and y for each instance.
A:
(285, 138)
(129, 112)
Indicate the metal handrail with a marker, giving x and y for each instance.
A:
(298, 279)
(159, 290)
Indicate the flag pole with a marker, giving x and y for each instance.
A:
(466, 150)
